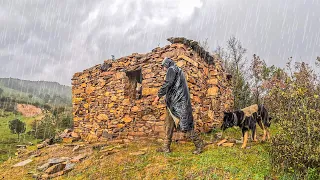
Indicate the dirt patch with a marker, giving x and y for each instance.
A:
(28, 110)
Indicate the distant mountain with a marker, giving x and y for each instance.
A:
(42, 92)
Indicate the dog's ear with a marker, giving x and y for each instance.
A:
(225, 113)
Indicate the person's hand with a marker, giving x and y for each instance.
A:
(156, 100)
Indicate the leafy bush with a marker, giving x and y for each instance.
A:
(59, 119)
(295, 102)
(63, 117)
(45, 128)
(66, 122)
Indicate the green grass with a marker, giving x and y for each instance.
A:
(214, 163)
(8, 141)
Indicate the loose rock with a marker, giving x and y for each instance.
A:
(55, 168)
(138, 153)
(23, 163)
(78, 158)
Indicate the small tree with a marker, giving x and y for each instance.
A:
(259, 71)
(17, 127)
(234, 60)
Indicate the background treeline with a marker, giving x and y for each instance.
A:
(41, 92)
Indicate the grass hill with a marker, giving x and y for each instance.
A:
(39, 92)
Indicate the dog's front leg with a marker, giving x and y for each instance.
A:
(264, 132)
(268, 134)
(254, 135)
(264, 135)
(245, 139)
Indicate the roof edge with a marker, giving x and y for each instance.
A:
(194, 45)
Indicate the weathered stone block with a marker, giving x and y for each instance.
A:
(210, 114)
(181, 63)
(78, 91)
(102, 117)
(107, 73)
(149, 118)
(135, 109)
(127, 119)
(120, 75)
(149, 91)
(113, 98)
(213, 81)
(90, 89)
(110, 105)
(120, 125)
(126, 102)
(137, 134)
(163, 117)
(213, 91)
(194, 63)
(77, 100)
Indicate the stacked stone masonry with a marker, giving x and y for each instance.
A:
(108, 106)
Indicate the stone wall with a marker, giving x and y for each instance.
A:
(105, 109)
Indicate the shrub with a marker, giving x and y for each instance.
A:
(296, 149)
(66, 122)
(45, 128)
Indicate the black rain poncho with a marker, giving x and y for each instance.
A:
(177, 95)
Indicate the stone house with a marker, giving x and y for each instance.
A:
(113, 100)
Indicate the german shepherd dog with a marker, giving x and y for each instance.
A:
(246, 119)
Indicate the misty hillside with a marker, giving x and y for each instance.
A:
(41, 92)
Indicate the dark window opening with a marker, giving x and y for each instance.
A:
(134, 90)
(229, 76)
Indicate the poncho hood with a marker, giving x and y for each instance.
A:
(167, 62)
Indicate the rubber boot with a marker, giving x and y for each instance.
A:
(197, 141)
(165, 148)
(199, 146)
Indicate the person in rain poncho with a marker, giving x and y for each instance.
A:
(179, 110)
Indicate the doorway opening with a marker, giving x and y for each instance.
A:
(134, 90)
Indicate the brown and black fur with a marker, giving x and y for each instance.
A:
(264, 121)
(237, 118)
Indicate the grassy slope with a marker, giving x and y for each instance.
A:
(214, 163)
(8, 141)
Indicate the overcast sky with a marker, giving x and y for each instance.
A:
(52, 39)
